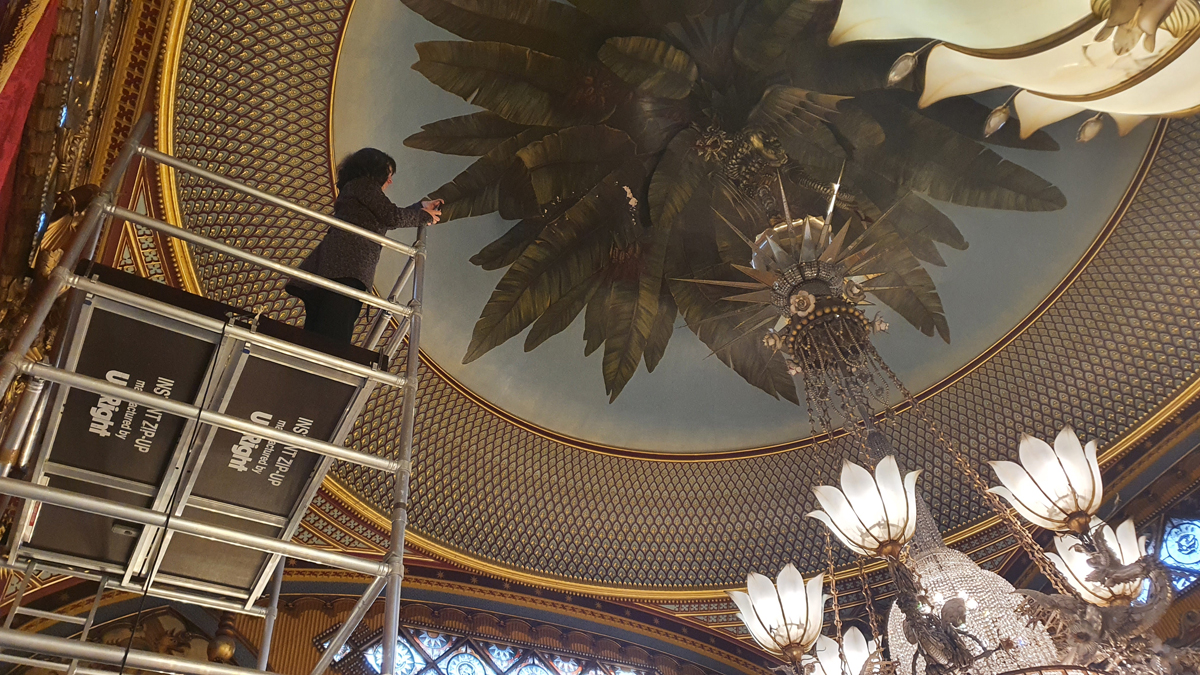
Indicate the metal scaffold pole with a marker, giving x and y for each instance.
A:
(264, 648)
(391, 617)
(113, 656)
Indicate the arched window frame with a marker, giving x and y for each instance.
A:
(359, 655)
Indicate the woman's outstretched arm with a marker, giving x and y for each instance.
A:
(389, 215)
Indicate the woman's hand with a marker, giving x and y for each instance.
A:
(434, 208)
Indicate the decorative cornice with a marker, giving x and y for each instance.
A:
(569, 611)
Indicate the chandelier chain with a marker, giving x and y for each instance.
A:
(837, 612)
(872, 621)
(1035, 552)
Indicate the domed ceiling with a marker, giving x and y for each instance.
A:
(692, 403)
(1079, 313)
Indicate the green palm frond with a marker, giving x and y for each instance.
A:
(565, 165)
(505, 250)
(478, 189)
(516, 83)
(471, 135)
(643, 146)
(569, 250)
(769, 29)
(650, 66)
(541, 25)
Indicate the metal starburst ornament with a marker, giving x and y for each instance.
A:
(811, 276)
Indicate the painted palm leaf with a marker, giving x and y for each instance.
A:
(471, 135)
(516, 83)
(569, 251)
(505, 250)
(926, 156)
(643, 146)
(541, 25)
(770, 28)
(650, 66)
(565, 165)
(480, 189)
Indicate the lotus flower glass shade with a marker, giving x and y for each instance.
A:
(1056, 488)
(784, 617)
(872, 516)
(856, 648)
(1143, 68)
(1073, 563)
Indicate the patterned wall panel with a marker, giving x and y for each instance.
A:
(1117, 344)
(252, 99)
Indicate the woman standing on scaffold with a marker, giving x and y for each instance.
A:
(347, 258)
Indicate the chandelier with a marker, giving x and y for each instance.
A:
(1125, 59)
(950, 616)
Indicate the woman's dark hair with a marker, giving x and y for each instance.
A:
(376, 164)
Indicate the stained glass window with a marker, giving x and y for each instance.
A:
(1181, 544)
(426, 652)
(435, 644)
(407, 659)
(533, 669)
(341, 652)
(466, 663)
(503, 655)
(1180, 551)
(566, 666)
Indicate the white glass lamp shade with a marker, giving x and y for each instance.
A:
(1056, 488)
(1074, 565)
(872, 516)
(1072, 77)
(975, 24)
(857, 649)
(783, 617)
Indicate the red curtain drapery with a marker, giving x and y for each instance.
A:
(16, 99)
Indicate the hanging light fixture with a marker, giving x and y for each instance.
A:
(849, 658)
(1106, 627)
(872, 516)
(816, 274)
(1072, 561)
(784, 617)
(1055, 488)
(1140, 63)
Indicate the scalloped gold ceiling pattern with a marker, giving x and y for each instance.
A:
(252, 101)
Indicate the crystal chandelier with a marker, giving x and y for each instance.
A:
(950, 616)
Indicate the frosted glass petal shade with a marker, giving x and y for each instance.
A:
(856, 648)
(1056, 488)
(1079, 67)
(783, 617)
(1073, 564)
(871, 516)
(977, 24)
(1047, 50)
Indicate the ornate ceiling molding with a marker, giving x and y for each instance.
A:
(1112, 352)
